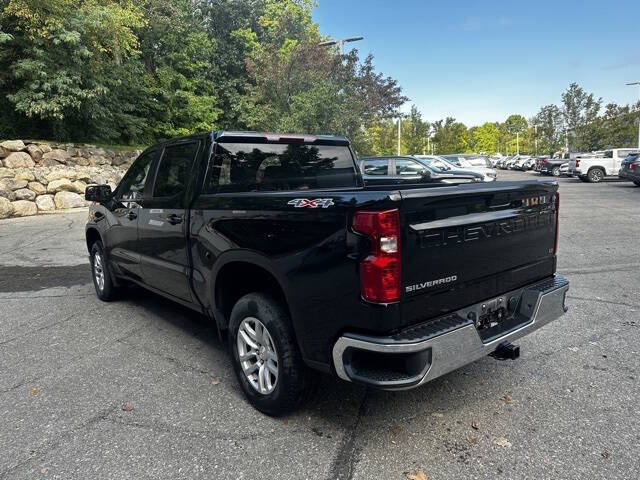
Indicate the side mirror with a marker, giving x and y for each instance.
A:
(97, 193)
(426, 174)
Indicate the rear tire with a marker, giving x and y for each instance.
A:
(272, 374)
(555, 172)
(595, 175)
(101, 274)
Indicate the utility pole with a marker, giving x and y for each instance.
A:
(637, 83)
(399, 133)
(340, 43)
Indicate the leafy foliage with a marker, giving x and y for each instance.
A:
(134, 72)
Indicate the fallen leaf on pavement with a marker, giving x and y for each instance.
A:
(507, 398)
(502, 442)
(473, 440)
(34, 391)
(474, 425)
(215, 380)
(395, 429)
(419, 475)
(437, 414)
(605, 455)
(127, 407)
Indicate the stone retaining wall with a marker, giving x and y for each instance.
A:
(38, 178)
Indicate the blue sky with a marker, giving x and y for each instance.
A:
(484, 60)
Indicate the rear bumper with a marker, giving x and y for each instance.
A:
(421, 353)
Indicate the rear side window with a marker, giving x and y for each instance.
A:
(408, 167)
(250, 167)
(174, 168)
(378, 166)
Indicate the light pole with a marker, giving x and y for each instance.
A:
(637, 83)
(536, 129)
(340, 43)
(399, 133)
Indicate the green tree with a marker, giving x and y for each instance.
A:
(580, 111)
(450, 136)
(414, 133)
(486, 138)
(550, 129)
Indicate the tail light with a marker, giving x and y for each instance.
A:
(577, 162)
(380, 270)
(555, 240)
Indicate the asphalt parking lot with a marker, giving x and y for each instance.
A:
(142, 388)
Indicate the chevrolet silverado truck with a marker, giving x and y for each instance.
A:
(303, 268)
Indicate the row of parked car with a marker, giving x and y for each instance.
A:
(411, 169)
(590, 167)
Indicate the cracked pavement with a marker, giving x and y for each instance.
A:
(143, 388)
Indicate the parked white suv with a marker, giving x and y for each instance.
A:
(605, 163)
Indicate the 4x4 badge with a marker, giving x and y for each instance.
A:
(316, 203)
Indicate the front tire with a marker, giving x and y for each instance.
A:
(101, 274)
(266, 357)
(555, 172)
(637, 183)
(595, 175)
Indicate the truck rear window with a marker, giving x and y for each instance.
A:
(248, 167)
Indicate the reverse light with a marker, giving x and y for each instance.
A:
(380, 270)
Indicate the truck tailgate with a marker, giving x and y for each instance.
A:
(466, 243)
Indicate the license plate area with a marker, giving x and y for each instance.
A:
(498, 316)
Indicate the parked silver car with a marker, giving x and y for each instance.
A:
(458, 162)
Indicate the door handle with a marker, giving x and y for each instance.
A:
(132, 215)
(174, 219)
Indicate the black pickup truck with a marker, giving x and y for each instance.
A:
(277, 240)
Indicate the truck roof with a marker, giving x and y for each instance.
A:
(223, 135)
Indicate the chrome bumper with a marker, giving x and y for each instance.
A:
(447, 343)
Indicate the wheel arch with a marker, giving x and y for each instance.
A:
(92, 235)
(236, 277)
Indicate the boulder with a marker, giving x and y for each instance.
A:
(25, 175)
(12, 184)
(69, 173)
(79, 161)
(35, 152)
(59, 156)
(13, 145)
(25, 194)
(95, 160)
(24, 208)
(59, 185)
(37, 188)
(6, 173)
(5, 208)
(45, 148)
(79, 187)
(68, 200)
(4, 152)
(7, 194)
(41, 175)
(18, 160)
(45, 203)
